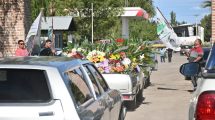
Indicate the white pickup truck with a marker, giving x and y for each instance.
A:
(202, 103)
(131, 86)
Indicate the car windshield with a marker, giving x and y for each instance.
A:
(210, 64)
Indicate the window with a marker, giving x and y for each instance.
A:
(98, 77)
(79, 87)
(95, 84)
(23, 85)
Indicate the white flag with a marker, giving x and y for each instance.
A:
(166, 32)
(33, 38)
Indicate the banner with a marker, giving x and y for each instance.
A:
(33, 37)
(166, 32)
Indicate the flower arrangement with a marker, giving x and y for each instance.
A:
(75, 53)
(96, 56)
(118, 56)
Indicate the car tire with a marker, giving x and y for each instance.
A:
(140, 95)
(121, 113)
(131, 105)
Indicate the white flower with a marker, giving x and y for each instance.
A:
(126, 61)
(74, 50)
(142, 56)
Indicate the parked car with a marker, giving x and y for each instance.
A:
(184, 49)
(203, 99)
(55, 88)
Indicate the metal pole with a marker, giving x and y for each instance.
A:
(92, 21)
(196, 26)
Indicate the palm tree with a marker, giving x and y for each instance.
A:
(206, 4)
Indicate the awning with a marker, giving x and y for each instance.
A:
(59, 23)
(134, 12)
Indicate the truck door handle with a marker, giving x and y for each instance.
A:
(49, 113)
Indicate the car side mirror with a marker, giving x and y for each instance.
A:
(190, 69)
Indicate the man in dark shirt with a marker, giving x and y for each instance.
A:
(47, 50)
(169, 54)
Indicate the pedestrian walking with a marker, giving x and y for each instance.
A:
(162, 54)
(47, 50)
(21, 50)
(169, 54)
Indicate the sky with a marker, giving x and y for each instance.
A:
(185, 9)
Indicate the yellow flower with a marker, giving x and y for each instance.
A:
(101, 58)
(112, 57)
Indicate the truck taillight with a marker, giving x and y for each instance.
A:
(206, 106)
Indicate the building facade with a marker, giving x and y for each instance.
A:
(15, 21)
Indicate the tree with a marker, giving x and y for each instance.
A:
(143, 29)
(206, 21)
(105, 14)
(145, 4)
(173, 19)
(206, 24)
(206, 4)
(180, 23)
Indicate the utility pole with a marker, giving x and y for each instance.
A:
(196, 25)
(126, 3)
(92, 20)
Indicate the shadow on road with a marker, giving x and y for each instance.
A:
(162, 88)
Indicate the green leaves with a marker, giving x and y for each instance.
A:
(206, 24)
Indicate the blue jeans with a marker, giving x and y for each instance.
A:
(162, 58)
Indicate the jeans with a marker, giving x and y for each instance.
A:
(162, 59)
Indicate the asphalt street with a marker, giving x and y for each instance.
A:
(169, 95)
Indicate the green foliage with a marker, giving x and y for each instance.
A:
(173, 19)
(145, 4)
(144, 30)
(206, 4)
(206, 24)
(107, 24)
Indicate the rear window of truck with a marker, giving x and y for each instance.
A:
(23, 85)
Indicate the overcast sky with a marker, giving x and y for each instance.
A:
(185, 9)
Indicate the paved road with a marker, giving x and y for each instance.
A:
(168, 97)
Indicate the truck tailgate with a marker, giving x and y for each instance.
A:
(121, 82)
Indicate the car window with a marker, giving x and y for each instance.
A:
(23, 85)
(98, 77)
(79, 87)
(95, 84)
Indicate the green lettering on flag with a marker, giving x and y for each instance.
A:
(160, 27)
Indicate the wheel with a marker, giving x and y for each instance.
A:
(122, 113)
(131, 105)
(140, 96)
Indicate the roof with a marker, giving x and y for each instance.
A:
(52, 61)
(134, 12)
(59, 23)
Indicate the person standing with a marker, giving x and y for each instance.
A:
(21, 50)
(169, 54)
(47, 50)
(195, 55)
(162, 54)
